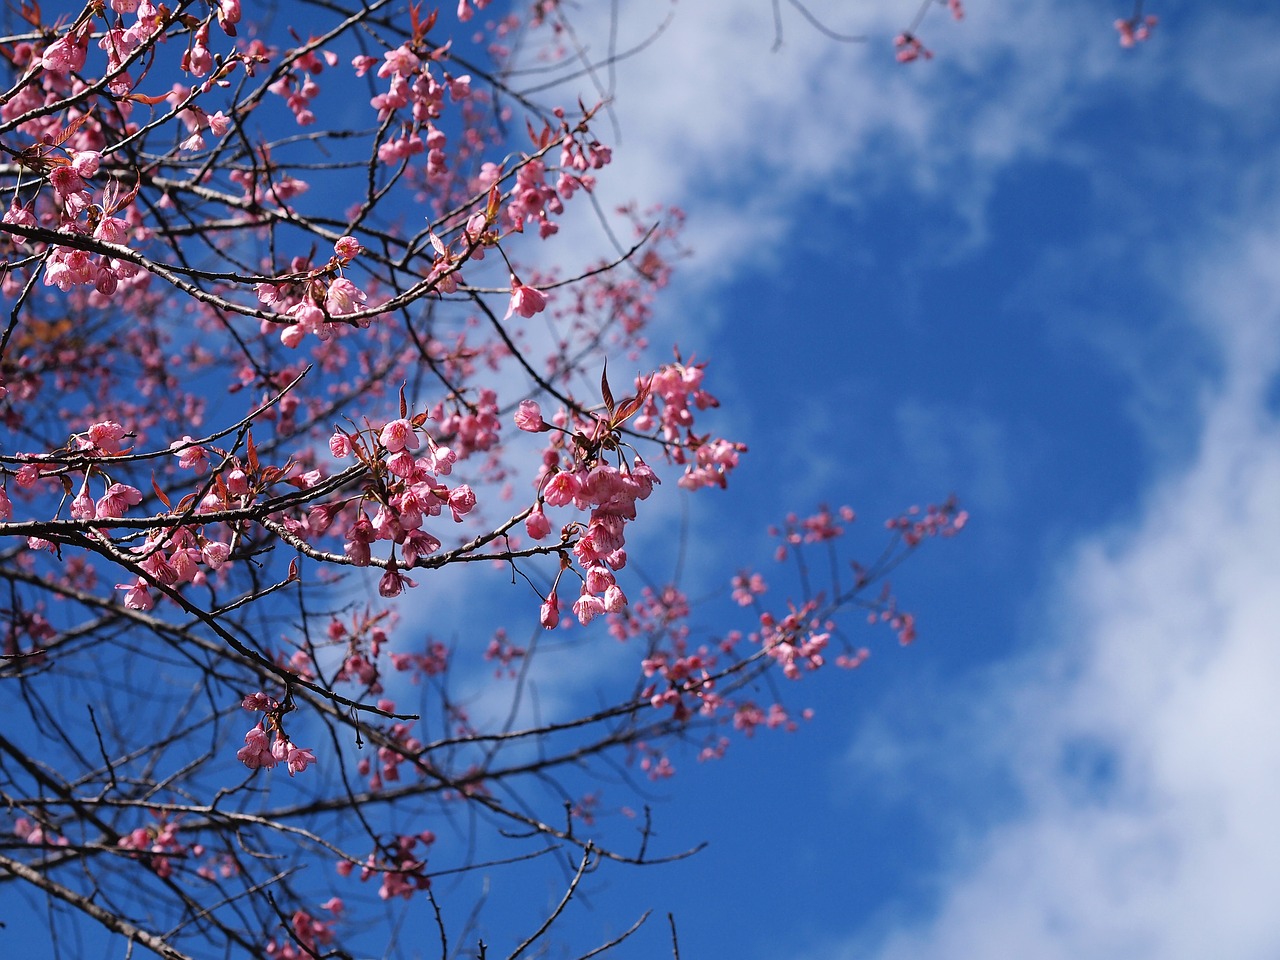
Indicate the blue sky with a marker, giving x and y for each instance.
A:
(1038, 271)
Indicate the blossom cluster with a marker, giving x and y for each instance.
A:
(161, 842)
(1135, 29)
(399, 865)
(308, 932)
(263, 752)
(406, 488)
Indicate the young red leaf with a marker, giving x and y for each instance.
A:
(160, 493)
(604, 388)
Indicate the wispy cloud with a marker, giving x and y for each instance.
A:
(1139, 732)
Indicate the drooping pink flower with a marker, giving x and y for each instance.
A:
(256, 752)
(299, 759)
(537, 525)
(525, 300)
(462, 500)
(257, 701)
(82, 507)
(190, 456)
(393, 583)
(228, 16)
(549, 615)
(67, 53)
(137, 596)
(586, 608)
(614, 599)
(417, 544)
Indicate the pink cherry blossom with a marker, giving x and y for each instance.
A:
(537, 525)
(190, 455)
(298, 759)
(398, 435)
(586, 608)
(256, 752)
(137, 595)
(529, 417)
(525, 300)
(340, 445)
(910, 48)
(461, 501)
(118, 499)
(348, 248)
(561, 489)
(549, 615)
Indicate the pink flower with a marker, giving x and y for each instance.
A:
(418, 543)
(256, 752)
(401, 61)
(86, 162)
(82, 507)
(343, 297)
(340, 445)
(67, 52)
(137, 597)
(1135, 30)
(461, 501)
(393, 583)
(586, 608)
(537, 525)
(398, 435)
(561, 489)
(215, 553)
(909, 48)
(549, 615)
(228, 16)
(525, 300)
(190, 455)
(106, 436)
(529, 417)
(348, 248)
(257, 701)
(614, 599)
(118, 498)
(237, 482)
(298, 760)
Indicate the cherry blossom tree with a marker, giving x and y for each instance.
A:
(280, 354)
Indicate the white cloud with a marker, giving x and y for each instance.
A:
(1141, 734)
(712, 120)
